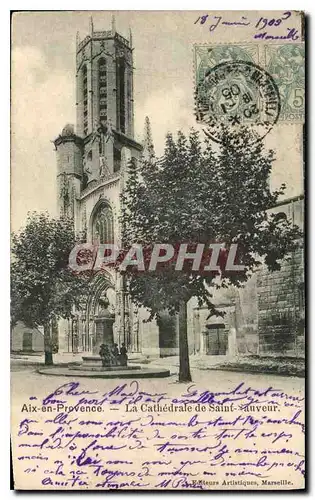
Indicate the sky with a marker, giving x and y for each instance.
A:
(43, 93)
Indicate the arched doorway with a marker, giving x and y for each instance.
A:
(102, 286)
(100, 230)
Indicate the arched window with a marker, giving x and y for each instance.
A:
(102, 89)
(85, 101)
(103, 225)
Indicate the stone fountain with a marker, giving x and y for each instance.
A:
(107, 361)
(106, 354)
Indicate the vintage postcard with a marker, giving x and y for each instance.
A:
(157, 270)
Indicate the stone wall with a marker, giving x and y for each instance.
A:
(148, 334)
(246, 313)
(281, 296)
(281, 308)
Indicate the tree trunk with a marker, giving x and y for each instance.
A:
(184, 368)
(48, 345)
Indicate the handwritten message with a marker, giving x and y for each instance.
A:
(186, 438)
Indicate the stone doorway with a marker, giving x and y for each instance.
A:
(216, 339)
(27, 341)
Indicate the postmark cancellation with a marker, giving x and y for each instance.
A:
(278, 71)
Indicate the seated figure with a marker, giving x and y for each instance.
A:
(104, 354)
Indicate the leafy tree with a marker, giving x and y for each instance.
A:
(43, 288)
(196, 193)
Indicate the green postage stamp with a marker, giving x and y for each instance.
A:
(286, 65)
(249, 70)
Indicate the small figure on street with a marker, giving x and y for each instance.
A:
(75, 334)
(123, 355)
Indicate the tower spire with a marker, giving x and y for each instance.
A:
(113, 24)
(91, 25)
(148, 147)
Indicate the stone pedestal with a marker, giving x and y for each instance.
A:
(103, 333)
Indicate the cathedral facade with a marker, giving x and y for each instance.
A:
(91, 166)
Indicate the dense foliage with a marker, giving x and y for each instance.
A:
(43, 288)
(198, 193)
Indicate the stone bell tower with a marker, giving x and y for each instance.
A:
(104, 101)
(69, 149)
(96, 151)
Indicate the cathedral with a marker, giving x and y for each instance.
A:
(91, 165)
(267, 316)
